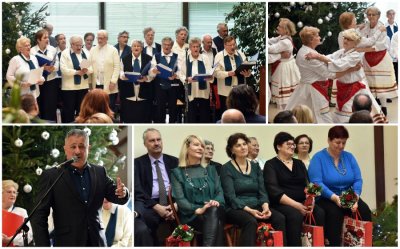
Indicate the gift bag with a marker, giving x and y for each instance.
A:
(356, 232)
(312, 235)
(267, 236)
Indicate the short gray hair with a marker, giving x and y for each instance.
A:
(194, 40)
(78, 133)
(147, 30)
(102, 31)
(74, 38)
(167, 38)
(182, 28)
(137, 41)
(148, 130)
(221, 24)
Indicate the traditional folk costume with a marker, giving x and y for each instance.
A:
(313, 87)
(285, 75)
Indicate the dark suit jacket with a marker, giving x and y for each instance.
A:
(126, 89)
(127, 50)
(158, 49)
(74, 221)
(144, 178)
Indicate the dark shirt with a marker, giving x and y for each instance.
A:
(81, 181)
(280, 180)
(219, 43)
(243, 190)
(218, 166)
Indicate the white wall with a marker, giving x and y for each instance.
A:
(360, 144)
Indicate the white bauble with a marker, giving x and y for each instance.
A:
(22, 12)
(277, 15)
(115, 141)
(100, 163)
(20, 33)
(292, 4)
(39, 171)
(320, 21)
(300, 25)
(330, 15)
(112, 136)
(327, 18)
(27, 188)
(8, 51)
(115, 169)
(55, 153)
(45, 135)
(18, 143)
(104, 151)
(88, 131)
(13, 6)
(47, 167)
(329, 33)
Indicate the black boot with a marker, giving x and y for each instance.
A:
(384, 110)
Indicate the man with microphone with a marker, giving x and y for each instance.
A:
(76, 198)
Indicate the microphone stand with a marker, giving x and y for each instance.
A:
(186, 89)
(24, 226)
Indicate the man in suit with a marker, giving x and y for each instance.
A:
(222, 29)
(122, 46)
(106, 65)
(136, 97)
(76, 198)
(150, 47)
(152, 181)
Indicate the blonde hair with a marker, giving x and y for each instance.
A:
(352, 34)
(183, 154)
(307, 34)
(21, 42)
(9, 183)
(303, 114)
(290, 28)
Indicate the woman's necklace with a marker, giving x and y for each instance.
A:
(285, 161)
(341, 170)
(247, 167)
(189, 180)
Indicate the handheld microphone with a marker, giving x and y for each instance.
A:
(72, 160)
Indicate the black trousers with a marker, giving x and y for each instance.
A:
(334, 216)
(136, 111)
(142, 233)
(48, 100)
(211, 224)
(248, 224)
(294, 222)
(166, 97)
(199, 111)
(71, 104)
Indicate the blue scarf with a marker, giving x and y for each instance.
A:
(110, 230)
(31, 67)
(45, 73)
(166, 84)
(228, 67)
(75, 63)
(201, 69)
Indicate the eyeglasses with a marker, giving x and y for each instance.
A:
(10, 192)
(291, 145)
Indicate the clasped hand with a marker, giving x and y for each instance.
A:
(211, 203)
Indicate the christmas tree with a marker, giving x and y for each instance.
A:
(19, 20)
(322, 15)
(28, 150)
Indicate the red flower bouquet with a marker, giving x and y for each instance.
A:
(348, 198)
(181, 236)
(264, 236)
(311, 190)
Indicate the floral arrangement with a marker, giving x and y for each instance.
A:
(352, 236)
(264, 237)
(348, 198)
(311, 190)
(181, 236)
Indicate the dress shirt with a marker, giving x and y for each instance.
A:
(81, 181)
(100, 65)
(149, 48)
(209, 55)
(161, 164)
(181, 51)
(17, 67)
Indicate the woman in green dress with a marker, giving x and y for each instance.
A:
(197, 190)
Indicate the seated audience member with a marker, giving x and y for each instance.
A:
(303, 114)
(99, 118)
(232, 116)
(337, 170)
(285, 179)
(197, 190)
(285, 117)
(142, 236)
(118, 224)
(303, 148)
(362, 116)
(10, 194)
(243, 98)
(254, 149)
(12, 116)
(95, 101)
(364, 102)
(30, 106)
(209, 154)
(247, 201)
